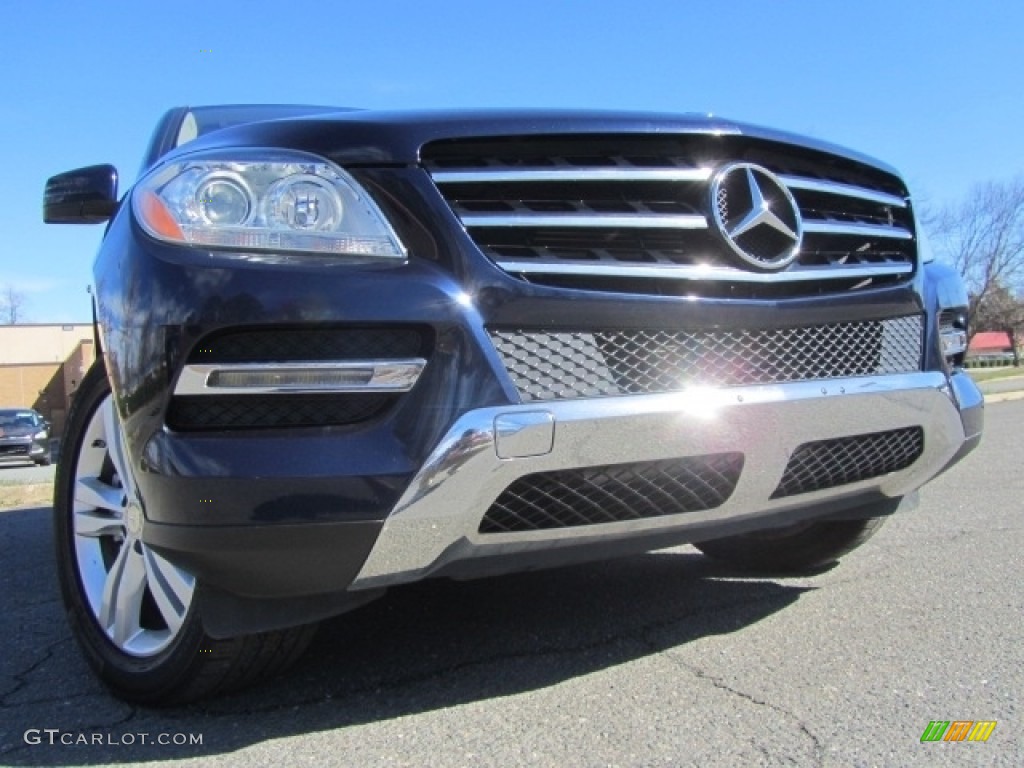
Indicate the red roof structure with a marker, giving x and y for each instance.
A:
(990, 341)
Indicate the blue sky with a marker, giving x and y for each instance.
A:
(931, 86)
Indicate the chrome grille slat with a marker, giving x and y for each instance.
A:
(670, 271)
(589, 220)
(842, 190)
(569, 174)
(574, 174)
(851, 228)
(556, 365)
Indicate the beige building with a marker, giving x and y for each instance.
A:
(41, 366)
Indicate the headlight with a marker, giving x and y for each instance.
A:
(264, 201)
(39, 435)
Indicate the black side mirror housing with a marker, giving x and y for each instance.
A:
(83, 196)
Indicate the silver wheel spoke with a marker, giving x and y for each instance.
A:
(171, 588)
(116, 447)
(122, 595)
(95, 524)
(92, 492)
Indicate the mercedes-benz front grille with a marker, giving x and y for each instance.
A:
(634, 213)
(557, 365)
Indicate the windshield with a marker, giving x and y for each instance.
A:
(181, 125)
(14, 419)
(200, 121)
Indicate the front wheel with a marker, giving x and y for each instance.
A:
(797, 548)
(133, 611)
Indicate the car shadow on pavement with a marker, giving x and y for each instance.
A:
(423, 647)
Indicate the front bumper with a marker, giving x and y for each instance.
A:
(435, 525)
(266, 576)
(23, 449)
(972, 411)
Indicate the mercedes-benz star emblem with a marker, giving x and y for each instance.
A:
(757, 216)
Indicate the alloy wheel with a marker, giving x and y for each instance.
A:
(138, 598)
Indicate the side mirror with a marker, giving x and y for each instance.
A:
(84, 196)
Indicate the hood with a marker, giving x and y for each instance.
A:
(382, 137)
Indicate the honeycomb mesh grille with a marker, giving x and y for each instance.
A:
(829, 463)
(614, 493)
(267, 412)
(549, 365)
(276, 345)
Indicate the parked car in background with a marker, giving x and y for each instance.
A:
(24, 436)
(344, 350)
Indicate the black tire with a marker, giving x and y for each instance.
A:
(804, 547)
(43, 463)
(184, 664)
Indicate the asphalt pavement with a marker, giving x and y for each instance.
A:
(661, 660)
(13, 473)
(999, 388)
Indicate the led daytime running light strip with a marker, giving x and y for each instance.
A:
(301, 377)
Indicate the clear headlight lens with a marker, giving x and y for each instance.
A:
(305, 203)
(40, 435)
(264, 201)
(223, 201)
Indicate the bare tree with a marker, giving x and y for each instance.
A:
(1002, 311)
(12, 305)
(983, 238)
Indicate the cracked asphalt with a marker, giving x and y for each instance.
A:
(662, 660)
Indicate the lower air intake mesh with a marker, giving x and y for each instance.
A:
(555, 365)
(283, 345)
(829, 463)
(614, 493)
(273, 411)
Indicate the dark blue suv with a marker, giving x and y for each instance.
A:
(342, 350)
